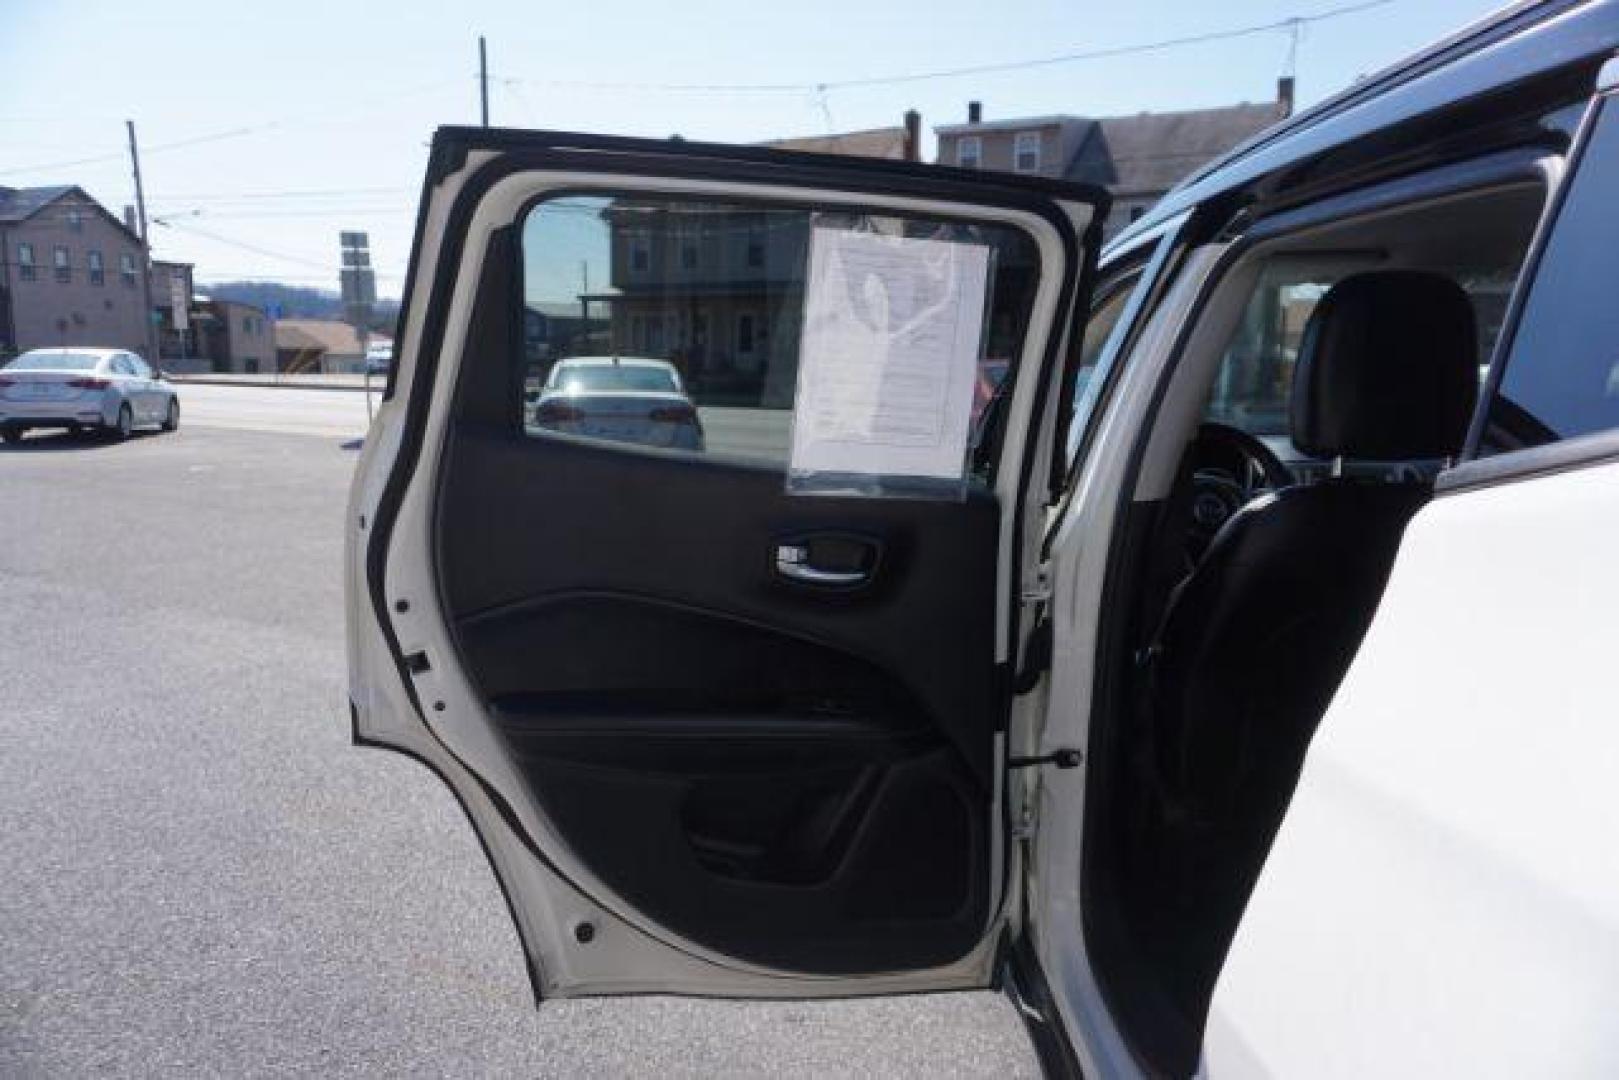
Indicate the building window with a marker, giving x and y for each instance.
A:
(1026, 152)
(688, 253)
(1136, 212)
(61, 264)
(247, 324)
(756, 251)
(75, 220)
(25, 262)
(640, 252)
(98, 269)
(970, 152)
(126, 269)
(745, 334)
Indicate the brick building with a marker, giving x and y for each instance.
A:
(69, 273)
(1137, 158)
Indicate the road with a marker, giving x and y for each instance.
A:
(199, 875)
(748, 432)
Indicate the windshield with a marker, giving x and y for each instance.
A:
(583, 379)
(54, 361)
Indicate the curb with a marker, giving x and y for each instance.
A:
(376, 386)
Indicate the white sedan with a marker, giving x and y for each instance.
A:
(106, 390)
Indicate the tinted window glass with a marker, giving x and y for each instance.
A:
(1562, 375)
(54, 361)
(691, 313)
(1099, 328)
(1255, 381)
(612, 373)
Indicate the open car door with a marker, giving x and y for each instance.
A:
(690, 542)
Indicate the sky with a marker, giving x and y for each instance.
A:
(268, 128)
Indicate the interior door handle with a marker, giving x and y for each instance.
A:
(793, 563)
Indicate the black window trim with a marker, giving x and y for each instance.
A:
(1592, 448)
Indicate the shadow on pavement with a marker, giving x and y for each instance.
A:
(47, 442)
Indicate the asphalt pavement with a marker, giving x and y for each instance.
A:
(200, 876)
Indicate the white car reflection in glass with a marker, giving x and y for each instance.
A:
(618, 398)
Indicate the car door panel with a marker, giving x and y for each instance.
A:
(789, 784)
(697, 636)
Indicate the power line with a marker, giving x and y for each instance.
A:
(329, 269)
(244, 245)
(208, 196)
(1289, 24)
(365, 106)
(305, 212)
(1292, 24)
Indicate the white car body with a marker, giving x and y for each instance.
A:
(1441, 896)
(92, 389)
(623, 398)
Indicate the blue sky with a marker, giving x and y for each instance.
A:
(329, 106)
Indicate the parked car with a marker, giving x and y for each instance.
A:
(1242, 707)
(379, 357)
(622, 398)
(106, 390)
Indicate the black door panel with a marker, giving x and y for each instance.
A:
(767, 722)
(525, 521)
(607, 655)
(827, 869)
(790, 775)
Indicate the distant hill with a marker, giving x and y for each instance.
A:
(297, 301)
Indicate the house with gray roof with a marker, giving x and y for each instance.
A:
(69, 273)
(1137, 158)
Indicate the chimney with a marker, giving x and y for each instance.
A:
(129, 219)
(1284, 95)
(913, 135)
(975, 111)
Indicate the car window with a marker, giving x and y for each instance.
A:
(54, 361)
(1561, 377)
(1104, 319)
(122, 366)
(612, 374)
(1255, 379)
(705, 299)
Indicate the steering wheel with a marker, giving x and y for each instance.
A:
(1229, 468)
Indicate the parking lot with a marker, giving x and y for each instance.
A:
(199, 875)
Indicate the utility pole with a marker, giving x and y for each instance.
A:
(483, 79)
(584, 297)
(152, 356)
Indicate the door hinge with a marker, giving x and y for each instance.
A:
(1062, 759)
(1037, 590)
(1023, 828)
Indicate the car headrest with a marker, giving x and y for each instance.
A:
(1387, 370)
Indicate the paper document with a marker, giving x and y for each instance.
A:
(886, 366)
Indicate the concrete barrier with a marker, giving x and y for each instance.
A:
(292, 382)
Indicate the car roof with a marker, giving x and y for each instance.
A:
(1514, 45)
